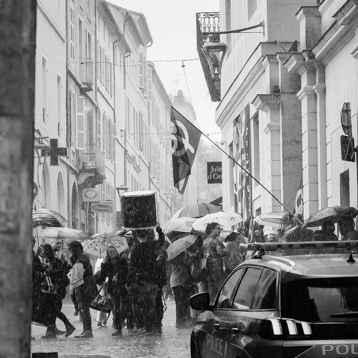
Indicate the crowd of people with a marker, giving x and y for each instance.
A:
(132, 280)
(139, 280)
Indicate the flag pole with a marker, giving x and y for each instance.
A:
(244, 169)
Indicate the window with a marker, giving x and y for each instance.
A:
(80, 39)
(320, 300)
(247, 288)
(344, 188)
(141, 71)
(228, 23)
(228, 288)
(99, 131)
(251, 7)
(72, 33)
(265, 296)
(59, 103)
(44, 90)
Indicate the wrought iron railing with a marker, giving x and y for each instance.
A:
(86, 72)
(93, 158)
(208, 22)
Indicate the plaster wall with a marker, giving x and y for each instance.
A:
(341, 86)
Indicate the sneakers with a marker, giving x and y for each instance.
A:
(117, 334)
(141, 330)
(69, 329)
(58, 332)
(86, 334)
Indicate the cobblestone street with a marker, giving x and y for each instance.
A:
(172, 342)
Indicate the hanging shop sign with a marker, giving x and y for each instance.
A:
(214, 172)
(90, 195)
(102, 207)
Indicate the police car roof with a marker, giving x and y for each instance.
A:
(313, 264)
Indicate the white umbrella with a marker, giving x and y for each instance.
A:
(270, 219)
(61, 233)
(226, 220)
(181, 224)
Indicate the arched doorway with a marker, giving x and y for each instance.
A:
(61, 204)
(46, 187)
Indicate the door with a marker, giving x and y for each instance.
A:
(215, 342)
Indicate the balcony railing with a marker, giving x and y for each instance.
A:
(211, 51)
(86, 73)
(209, 22)
(93, 158)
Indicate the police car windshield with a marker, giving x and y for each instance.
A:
(320, 300)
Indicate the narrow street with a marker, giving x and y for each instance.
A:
(172, 342)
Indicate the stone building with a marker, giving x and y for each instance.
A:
(102, 115)
(328, 69)
(259, 112)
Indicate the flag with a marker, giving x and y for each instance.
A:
(244, 152)
(298, 206)
(251, 236)
(185, 142)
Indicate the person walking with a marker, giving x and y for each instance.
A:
(183, 287)
(84, 288)
(232, 256)
(212, 262)
(56, 274)
(142, 280)
(115, 268)
(346, 228)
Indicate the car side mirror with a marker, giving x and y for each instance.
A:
(201, 302)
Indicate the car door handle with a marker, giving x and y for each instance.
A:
(216, 325)
(235, 330)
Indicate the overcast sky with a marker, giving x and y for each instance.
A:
(172, 24)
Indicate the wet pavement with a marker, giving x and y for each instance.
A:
(172, 342)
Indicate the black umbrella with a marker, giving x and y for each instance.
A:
(333, 213)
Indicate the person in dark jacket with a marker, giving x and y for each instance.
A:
(115, 268)
(142, 279)
(86, 290)
(36, 282)
(53, 268)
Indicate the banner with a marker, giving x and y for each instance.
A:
(214, 172)
(298, 207)
(185, 141)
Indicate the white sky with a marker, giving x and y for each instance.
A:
(172, 24)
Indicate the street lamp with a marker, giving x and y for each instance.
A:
(121, 188)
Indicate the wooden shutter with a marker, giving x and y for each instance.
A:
(80, 123)
(149, 84)
(141, 70)
(114, 133)
(91, 127)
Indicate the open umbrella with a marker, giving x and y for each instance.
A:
(181, 224)
(196, 210)
(270, 219)
(180, 245)
(61, 233)
(333, 213)
(226, 220)
(99, 243)
(49, 217)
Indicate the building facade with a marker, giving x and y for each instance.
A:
(259, 112)
(102, 122)
(327, 66)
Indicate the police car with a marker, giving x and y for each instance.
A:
(283, 306)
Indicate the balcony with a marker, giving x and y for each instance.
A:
(92, 166)
(86, 74)
(211, 51)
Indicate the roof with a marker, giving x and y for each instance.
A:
(310, 265)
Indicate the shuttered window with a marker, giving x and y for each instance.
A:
(80, 123)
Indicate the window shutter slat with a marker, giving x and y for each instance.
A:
(80, 123)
